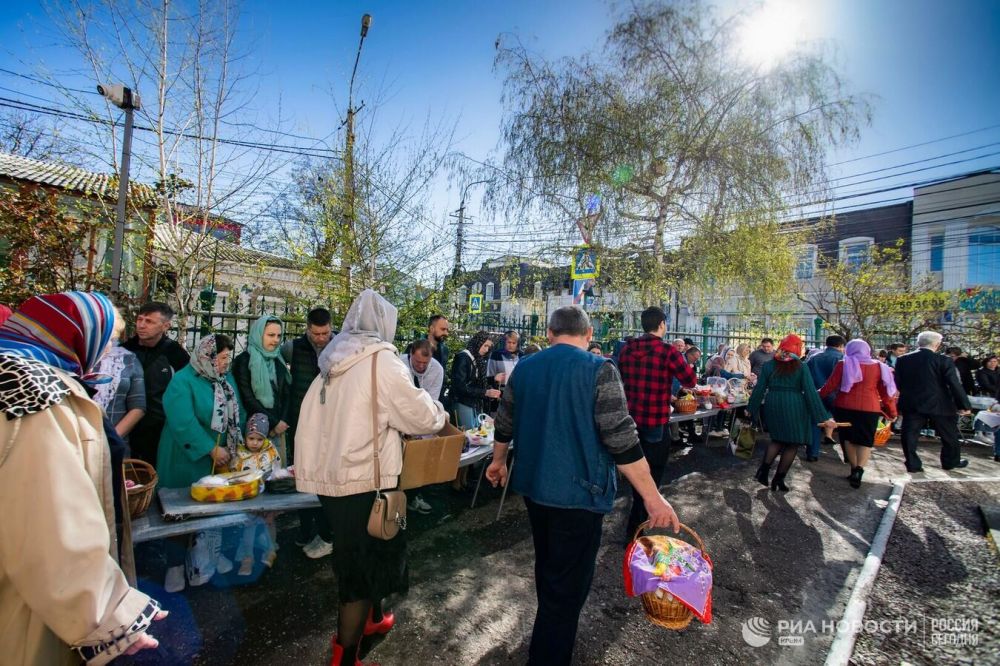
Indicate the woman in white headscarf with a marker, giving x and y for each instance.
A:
(334, 458)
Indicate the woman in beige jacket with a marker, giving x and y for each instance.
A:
(60, 584)
(334, 458)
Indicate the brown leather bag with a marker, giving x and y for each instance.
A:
(388, 514)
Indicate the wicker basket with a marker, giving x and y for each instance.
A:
(666, 611)
(883, 433)
(686, 406)
(144, 476)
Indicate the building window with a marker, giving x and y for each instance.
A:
(984, 256)
(856, 251)
(805, 269)
(538, 291)
(463, 296)
(489, 291)
(937, 252)
(505, 290)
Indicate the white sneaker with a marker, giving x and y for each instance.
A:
(175, 579)
(419, 505)
(223, 565)
(983, 438)
(317, 548)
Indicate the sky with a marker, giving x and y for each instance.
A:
(929, 67)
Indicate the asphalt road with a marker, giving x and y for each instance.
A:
(788, 560)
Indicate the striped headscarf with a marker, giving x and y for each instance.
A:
(68, 330)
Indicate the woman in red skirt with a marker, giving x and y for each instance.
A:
(865, 390)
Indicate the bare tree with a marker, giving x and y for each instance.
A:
(31, 136)
(183, 58)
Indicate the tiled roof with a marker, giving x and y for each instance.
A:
(75, 179)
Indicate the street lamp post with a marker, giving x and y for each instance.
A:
(348, 246)
(123, 98)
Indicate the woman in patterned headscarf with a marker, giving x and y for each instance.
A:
(791, 408)
(469, 381)
(60, 584)
(204, 425)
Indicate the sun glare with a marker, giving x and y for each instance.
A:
(771, 33)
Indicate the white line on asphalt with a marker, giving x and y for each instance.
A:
(854, 614)
(977, 479)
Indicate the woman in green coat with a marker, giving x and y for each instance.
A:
(204, 422)
(791, 409)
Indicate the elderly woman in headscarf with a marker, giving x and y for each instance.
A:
(469, 380)
(60, 585)
(334, 458)
(263, 379)
(204, 427)
(865, 390)
(739, 362)
(791, 407)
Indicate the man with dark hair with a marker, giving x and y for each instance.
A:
(160, 357)
(438, 329)
(761, 355)
(302, 356)
(649, 368)
(896, 349)
(568, 413)
(821, 367)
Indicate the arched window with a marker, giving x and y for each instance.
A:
(489, 291)
(538, 291)
(463, 295)
(505, 290)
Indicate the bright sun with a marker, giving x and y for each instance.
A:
(771, 32)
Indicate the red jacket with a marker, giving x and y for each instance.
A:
(868, 395)
(648, 367)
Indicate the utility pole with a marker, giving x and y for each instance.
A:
(125, 99)
(347, 245)
(460, 234)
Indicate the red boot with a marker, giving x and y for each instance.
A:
(339, 658)
(383, 627)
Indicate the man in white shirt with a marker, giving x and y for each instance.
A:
(427, 374)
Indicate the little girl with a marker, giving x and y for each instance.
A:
(257, 454)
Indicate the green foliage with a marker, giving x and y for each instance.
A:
(677, 139)
(46, 247)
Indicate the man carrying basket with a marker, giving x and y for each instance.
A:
(566, 470)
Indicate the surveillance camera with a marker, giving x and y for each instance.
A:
(119, 95)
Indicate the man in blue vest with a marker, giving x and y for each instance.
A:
(566, 410)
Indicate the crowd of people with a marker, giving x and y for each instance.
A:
(78, 399)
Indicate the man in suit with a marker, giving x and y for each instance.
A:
(821, 367)
(930, 390)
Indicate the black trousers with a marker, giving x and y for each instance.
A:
(144, 440)
(946, 426)
(655, 443)
(566, 544)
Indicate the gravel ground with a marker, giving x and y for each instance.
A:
(780, 557)
(941, 573)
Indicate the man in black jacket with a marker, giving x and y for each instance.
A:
(302, 356)
(160, 357)
(930, 390)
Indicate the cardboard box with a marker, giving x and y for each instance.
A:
(432, 460)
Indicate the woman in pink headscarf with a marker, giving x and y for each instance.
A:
(865, 390)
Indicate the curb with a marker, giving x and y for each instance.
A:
(850, 623)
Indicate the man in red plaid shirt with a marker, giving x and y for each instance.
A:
(648, 368)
